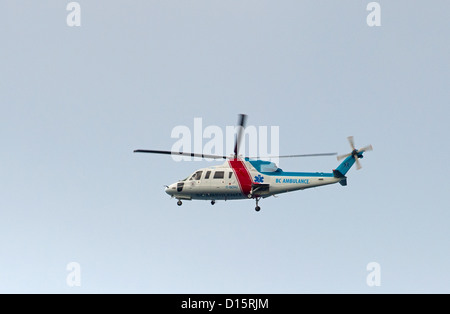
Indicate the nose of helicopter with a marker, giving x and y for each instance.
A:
(170, 189)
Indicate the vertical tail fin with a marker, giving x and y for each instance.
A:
(345, 166)
(349, 161)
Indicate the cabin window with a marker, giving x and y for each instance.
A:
(208, 173)
(219, 174)
(230, 174)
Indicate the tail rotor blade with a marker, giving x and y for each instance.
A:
(358, 163)
(241, 126)
(352, 142)
(366, 149)
(342, 156)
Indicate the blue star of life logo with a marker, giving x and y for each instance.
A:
(259, 179)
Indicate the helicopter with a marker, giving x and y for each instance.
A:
(253, 178)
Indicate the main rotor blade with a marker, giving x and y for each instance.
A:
(166, 152)
(241, 126)
(352, 142)
(295, 156)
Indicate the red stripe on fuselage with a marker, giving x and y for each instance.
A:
(242, 175)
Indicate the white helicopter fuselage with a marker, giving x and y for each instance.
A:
(243, 179)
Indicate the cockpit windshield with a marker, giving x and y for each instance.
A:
(196, 176)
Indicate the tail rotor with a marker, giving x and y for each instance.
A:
(356, 153)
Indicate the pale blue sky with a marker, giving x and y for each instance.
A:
(75, 102)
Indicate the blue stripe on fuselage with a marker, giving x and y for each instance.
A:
(260, 164)
(297, 174)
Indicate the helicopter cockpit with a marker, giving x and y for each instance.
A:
(196, 176)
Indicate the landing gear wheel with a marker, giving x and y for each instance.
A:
(257, 208)
(179, 203)
(213, 202)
